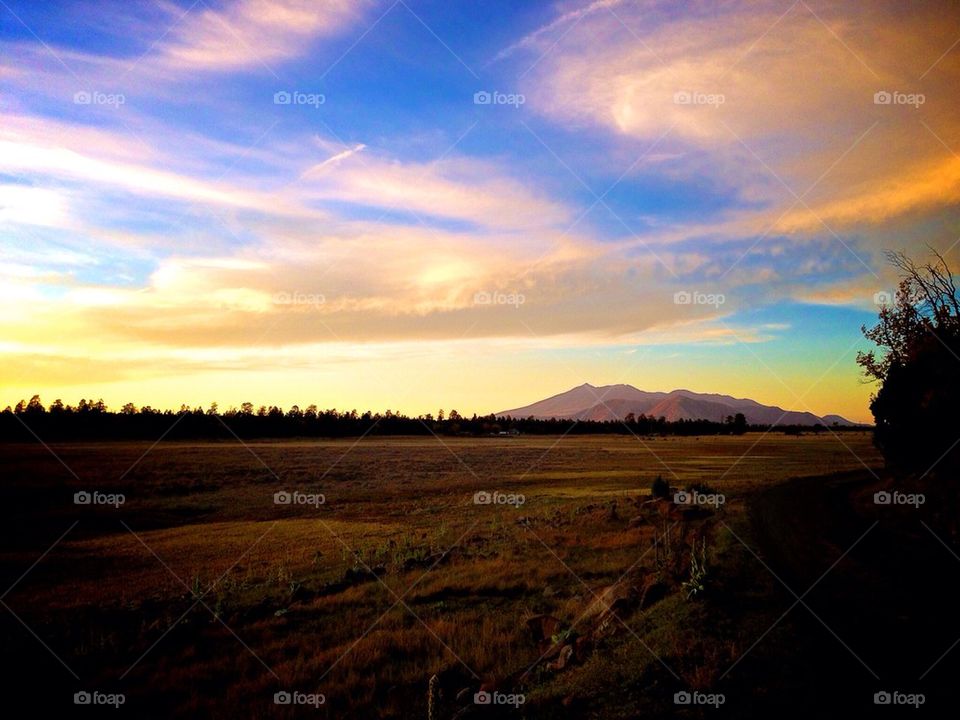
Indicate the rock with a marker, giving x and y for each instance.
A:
(543, 627)
(611, 599)
(562, 660)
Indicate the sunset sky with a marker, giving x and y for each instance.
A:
(426, 204)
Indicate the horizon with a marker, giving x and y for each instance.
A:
(395, 204)
(226, 407)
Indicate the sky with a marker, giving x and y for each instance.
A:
(418, 205)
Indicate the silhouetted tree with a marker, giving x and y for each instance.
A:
(739, 424)
(918, 368)
(660, 488)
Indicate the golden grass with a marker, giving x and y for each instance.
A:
(206, 511)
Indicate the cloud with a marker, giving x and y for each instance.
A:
(366, 282)
(267, 180)
(62, 163)
(24, 205)
(251, 33)
(333, 160)
(454, 188)
(533, 39)
(172, 46)
(928, 185)
(770, 101)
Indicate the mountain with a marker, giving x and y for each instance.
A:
(615, 402)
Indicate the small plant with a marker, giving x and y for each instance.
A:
(660, 488)
(563, 636)
(433, 691)
(284, 575)
(197, 587)
(696, 585)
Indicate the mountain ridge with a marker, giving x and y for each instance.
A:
(615, 402)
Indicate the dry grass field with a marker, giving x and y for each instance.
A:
(200, 596)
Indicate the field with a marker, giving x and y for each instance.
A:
(201, 596)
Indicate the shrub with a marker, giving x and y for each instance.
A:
(660, 488)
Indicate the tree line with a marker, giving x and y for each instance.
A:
(93, 420)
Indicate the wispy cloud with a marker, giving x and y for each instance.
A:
(455, 188)
(249, 33)
(564, 20)
(743, 90)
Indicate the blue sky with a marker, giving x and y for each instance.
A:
(171, 233)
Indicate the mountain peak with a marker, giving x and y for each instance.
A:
(615, 402)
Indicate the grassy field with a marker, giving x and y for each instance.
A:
(200, 596)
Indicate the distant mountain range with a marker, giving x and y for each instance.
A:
(615, 402)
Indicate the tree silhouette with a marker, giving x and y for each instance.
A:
(918, 368)
(739, 424)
